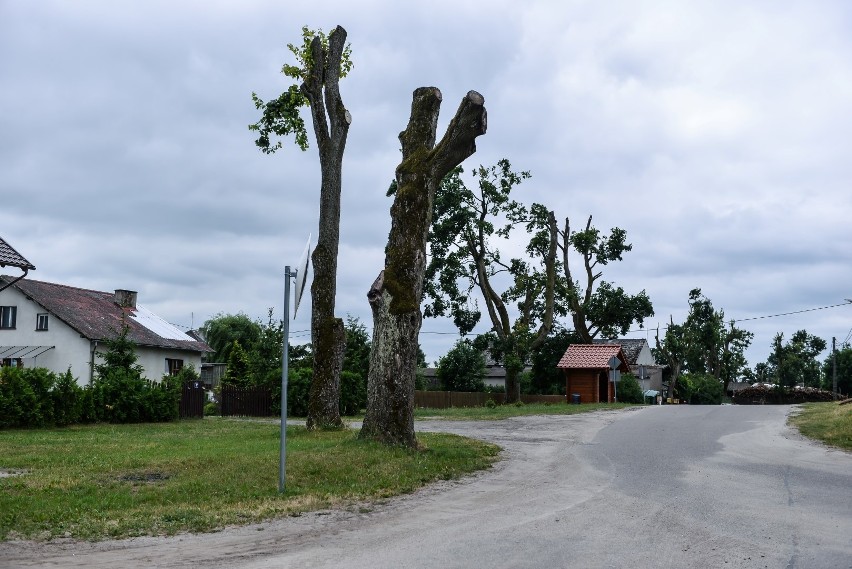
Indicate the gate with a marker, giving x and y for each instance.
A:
(192, 400)
(246, 401)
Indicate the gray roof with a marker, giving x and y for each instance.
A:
(10, 257)
(630, 346)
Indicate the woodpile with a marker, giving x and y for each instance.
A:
(759, 394)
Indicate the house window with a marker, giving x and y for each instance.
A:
(41, 322)
(13, 362)
(173, 366)
(8, 316)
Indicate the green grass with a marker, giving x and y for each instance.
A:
(99, 481)
(506, 411)
(828, 422)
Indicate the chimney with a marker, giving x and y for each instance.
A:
(125, 298)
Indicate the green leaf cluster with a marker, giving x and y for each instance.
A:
(462, 368)
(629, 390)
(37, 397)
(844, 370)
(704, 345)
(281, 117)
(599, 308)
(795, 362)
(120, 393)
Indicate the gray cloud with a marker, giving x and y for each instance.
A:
(714, 133)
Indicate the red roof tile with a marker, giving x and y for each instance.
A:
(590, 356)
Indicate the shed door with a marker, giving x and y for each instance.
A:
(603, 388)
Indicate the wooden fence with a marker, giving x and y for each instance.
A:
(445, 399)
(246, 401)
(192, 400)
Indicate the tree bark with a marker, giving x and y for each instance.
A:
(331, 123)
(396, 294)
(512, 336)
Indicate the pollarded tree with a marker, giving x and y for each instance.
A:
(599, 307)
(464, 249)
(323, 60)
(396, 294)
(703, 344)
(715, 349)
(672, 350)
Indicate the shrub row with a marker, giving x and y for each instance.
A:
(37, 397)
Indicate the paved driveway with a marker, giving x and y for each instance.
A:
(673, 486)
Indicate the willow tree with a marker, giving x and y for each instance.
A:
(396, 294)
(323, 61)
(466, 234)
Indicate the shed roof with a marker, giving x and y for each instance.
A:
(96, 316)
(591, 356)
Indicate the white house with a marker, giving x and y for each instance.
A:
(639, 358)
(60, 327)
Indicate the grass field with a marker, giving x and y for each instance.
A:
(828, 422)
(99, 481)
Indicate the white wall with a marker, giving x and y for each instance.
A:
(154, 360)
(645, 357)
(70, 349)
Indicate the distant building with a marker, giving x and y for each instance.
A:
(586, 368)
(60, 327)
(641, 361)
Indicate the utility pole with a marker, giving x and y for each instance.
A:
(834, 366)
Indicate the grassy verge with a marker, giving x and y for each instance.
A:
(828, 422)
(506, 411)
(99, 481)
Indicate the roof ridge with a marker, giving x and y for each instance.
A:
(66, 286)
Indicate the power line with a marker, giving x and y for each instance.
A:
(794, 312)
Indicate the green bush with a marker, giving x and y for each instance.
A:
(703, 389)
(463, 368)
(68, 400)
(298, 391)
(121, 395)
(353, 393)
(19, 404)
(629, 390)
(37, 397)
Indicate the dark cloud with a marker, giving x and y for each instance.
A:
(714, 133)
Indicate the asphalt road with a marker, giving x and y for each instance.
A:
(672, 486)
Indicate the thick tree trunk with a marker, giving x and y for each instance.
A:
(331, 125)
(513, 386)
(396, 294)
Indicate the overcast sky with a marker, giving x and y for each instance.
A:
(716, 133)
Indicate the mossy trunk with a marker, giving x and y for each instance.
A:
(331, 123)
(390, 387)
(395, 295)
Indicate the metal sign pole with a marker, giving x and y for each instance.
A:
(285, 352)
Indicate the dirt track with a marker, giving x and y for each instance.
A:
(560, 498)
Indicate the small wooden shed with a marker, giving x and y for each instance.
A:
(586, 368)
